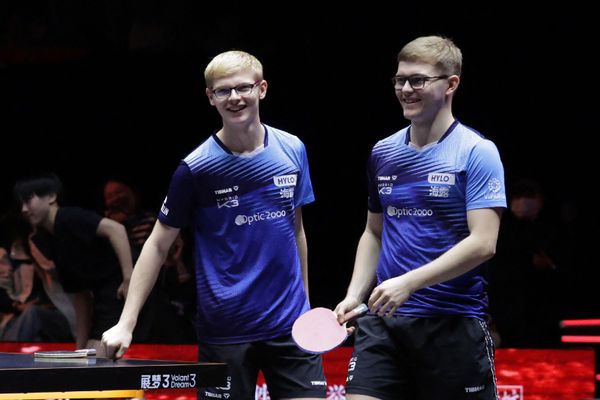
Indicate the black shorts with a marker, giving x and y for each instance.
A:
(289, 372)
(401, 358)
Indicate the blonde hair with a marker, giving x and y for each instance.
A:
(230, 62)
(438, 51)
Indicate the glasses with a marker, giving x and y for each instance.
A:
(416, 82)
(242, 90)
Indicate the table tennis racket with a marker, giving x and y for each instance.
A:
(81, 353)
(318, 330)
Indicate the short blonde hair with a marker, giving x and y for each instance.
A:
(438, 51)
(230, 62)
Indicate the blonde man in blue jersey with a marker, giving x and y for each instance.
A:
(436, 192)
(242, 191)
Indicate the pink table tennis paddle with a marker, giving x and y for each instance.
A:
(318, 330)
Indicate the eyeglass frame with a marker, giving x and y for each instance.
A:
(408, 79)
(230, 89)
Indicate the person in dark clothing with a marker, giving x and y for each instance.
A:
(524, 274)
(91, 254)
(167, 315)
(28, 315)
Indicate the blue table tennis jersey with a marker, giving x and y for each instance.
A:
(424, 195)
(248, 272)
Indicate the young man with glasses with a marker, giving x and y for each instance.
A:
(242, 189)
(436, 193)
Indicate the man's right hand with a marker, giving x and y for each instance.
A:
(345, 306)
(116, 341)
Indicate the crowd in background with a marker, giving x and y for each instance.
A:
(35, 307)
(537, 260)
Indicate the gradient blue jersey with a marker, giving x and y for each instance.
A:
(424, 195)
(249, 280)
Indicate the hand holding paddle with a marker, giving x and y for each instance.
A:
(318, 330)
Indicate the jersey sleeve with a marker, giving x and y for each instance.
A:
(304, 193)
(373, 202)
(485, 177)
(177, 210)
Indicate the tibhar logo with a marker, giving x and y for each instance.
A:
(261, 216)
(285, 180)
(410, 212)
(438, 177)
(223, 191)
(384, 178)
(474, 389)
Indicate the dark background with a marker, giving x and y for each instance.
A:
(84, 85)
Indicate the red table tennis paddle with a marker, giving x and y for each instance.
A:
(318, 330)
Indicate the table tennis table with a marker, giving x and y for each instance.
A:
(23, 376)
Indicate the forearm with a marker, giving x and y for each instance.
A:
(466, 255)
(365, 266)
(303, 254)
(120, 244)
(300, 236)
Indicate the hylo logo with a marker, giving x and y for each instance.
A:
(284, 180)
(438, 177)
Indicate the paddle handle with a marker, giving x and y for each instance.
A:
(356, 312)
(87, 352)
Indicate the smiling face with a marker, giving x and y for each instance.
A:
(421, 105)
(439, 61)
(235, 86)
(238, 108)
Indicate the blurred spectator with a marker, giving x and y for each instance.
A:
(27, 312)
(524, 300)
(179, 283)
(91, 254)
(171, 303)
(121, 204)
